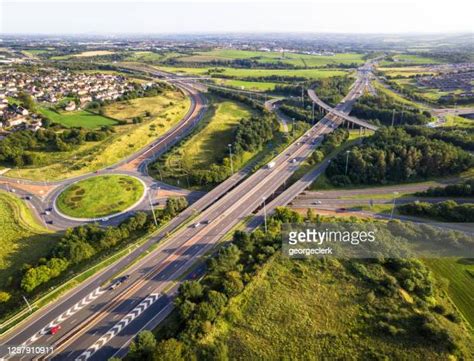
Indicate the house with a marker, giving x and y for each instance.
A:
(20, 110)
(13, 122)
(70, 106)
(34, 125)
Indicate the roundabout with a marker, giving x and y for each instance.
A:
(100, 197)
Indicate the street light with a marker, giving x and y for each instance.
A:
(151, 205)
(393, 205)
(347, 160)
(230, 156)
(264, 214)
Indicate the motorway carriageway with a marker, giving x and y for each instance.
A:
(84, 325)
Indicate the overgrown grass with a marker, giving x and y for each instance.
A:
(127, 139)
(457, 121)
(460, 276)
(209, 145)
(23, 240)
(296, 308)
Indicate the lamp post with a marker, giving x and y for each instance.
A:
(347, 160)
(264, 214)
(151, 206)
(231, 161)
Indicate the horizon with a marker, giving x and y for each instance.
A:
(232, 17)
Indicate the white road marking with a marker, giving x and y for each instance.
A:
(119, 326)
(65, 315)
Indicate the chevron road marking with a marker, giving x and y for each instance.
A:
(119, 326)
(65, 315)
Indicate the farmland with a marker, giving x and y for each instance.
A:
(409, 59)
(294, 59)
(152, 57)
(247, 85)
(23, 239)
(100, 196)
(84, 54)
(242, 73)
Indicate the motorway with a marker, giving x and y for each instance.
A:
(98, 322)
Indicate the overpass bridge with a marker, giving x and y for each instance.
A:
(339, 113)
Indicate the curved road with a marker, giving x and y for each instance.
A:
(42, 195)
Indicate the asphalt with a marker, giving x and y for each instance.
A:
(91, 310)
(138, 162)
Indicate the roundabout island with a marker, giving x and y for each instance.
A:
(100, 196)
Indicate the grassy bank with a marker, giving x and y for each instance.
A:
(168, 109)
(23, 240)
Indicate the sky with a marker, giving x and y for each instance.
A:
(198, 16)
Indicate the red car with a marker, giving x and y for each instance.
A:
(54, 330)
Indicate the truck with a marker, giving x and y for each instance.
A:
(271, 165)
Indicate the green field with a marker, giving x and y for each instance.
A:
(457, 121)
(242, 73)
(246, 85)
(406, 71)
(460, 275)
(23, 239)
(169, 108)
(151, 57)
(410, 59)
(397, 97)
(84, 54)
(100, 196)
(305, 308)
(210, 144)
(300, 60)
(78, 118)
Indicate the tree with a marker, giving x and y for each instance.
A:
(27, 101)
(169, 350)
(4, 296)
(143, 347)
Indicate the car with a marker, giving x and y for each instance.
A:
(124, 278)
(46, 212)
(54, 330)
(49, 222)
(118, 282)
(28, 198)
(196, 225)
(316, 202)
(104, 219)
(208, 221)
(341, 209)
(293, 160)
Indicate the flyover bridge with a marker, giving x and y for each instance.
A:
(339, 113)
